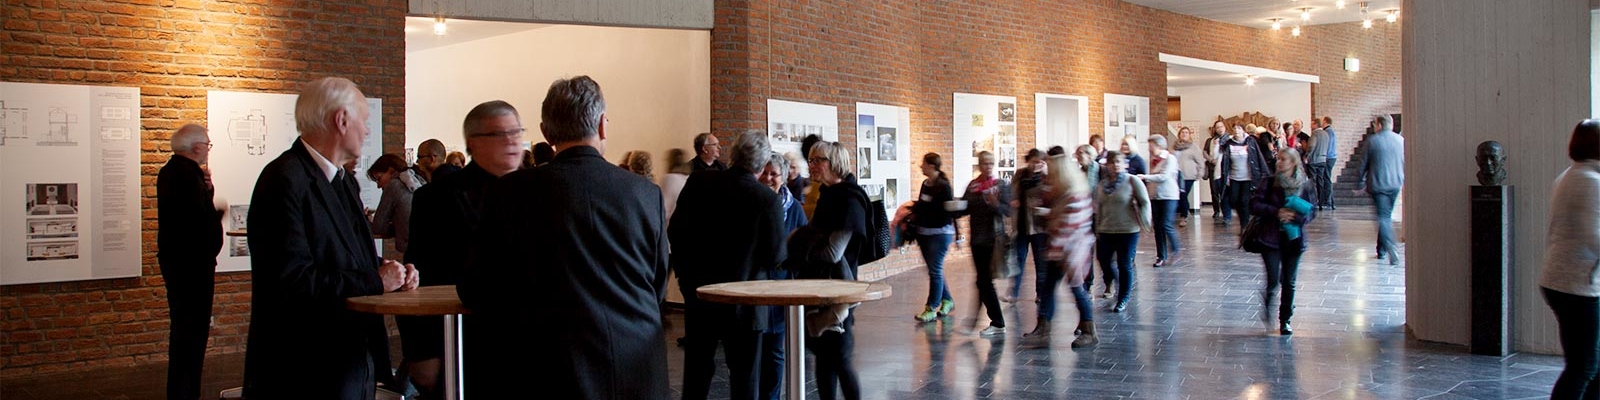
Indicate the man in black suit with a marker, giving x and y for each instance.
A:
(443, 214)
(189, 240)
(744, 244)
(311, 248)
(567, 269)
(707, 154)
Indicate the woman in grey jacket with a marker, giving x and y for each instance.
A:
(1162, 182)
(1122, 209)
(1192, 167)
(1571, 278)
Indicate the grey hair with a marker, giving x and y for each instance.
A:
(484, 111)
(700, 141)
(184, 139)
(751, 151)
(797, 160)
(573, 109)
(322, 97)
(837, 155)
(782, 163)
(1385, 122)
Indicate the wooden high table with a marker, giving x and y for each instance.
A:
(427, 301)
(795, 294)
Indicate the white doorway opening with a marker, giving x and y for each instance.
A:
(1062, 121)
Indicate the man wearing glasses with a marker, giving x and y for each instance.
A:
(442, 213)
(707, 152)
(430, 161)
(189, 238)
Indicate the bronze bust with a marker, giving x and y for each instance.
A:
(1491, 163)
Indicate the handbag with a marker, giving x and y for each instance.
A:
(1250, 237)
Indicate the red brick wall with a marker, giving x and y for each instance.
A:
(175, 51)
(917, 53)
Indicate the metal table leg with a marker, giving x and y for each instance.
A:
(795, 355)
(455, 386)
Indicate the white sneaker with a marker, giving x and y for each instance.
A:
(991, 331)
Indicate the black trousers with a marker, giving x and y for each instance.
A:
(835, 362)
(1239, 193)
(1578, 318)
(1282, 266)
(982, 261)
(705, 326)
(1322, 180)
(189, 298)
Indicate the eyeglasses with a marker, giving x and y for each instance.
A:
(815, 160)
(208, 145)
(511, 133)
(716, 145)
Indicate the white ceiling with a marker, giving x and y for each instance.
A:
(1183, 75)
(1256, 13)
(419, 31)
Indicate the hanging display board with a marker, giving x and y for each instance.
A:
(883, 153)
(789, 122)
(249, 130)
(983, 123)
(70, 185)
(1127, 116)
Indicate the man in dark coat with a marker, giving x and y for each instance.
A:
(311, 248)
(444, 213)
(566, 274)
(189, 240)
(745, 244)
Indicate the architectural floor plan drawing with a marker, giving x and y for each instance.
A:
(13, 123)
(249, 132)
(61, 123)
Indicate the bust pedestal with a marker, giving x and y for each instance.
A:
(1492, 208)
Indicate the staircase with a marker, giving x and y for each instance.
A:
(1349, 179)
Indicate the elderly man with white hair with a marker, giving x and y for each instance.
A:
(189, 238)
(311, 248)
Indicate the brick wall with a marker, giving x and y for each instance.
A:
(916, 54)
(175, 51)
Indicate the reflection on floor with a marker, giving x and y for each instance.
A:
(1191, 332)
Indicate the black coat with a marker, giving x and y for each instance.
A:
(728, 228)
(928, 211)
(844, 206)
(1257, 164)
(310, 251)
(190, 231)
(444, 213)
(565, 283)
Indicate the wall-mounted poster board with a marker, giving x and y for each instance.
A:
(249, 130)
(69, 183)
(1127, 116)
(883, 153)
(983, 123)
(788, 122)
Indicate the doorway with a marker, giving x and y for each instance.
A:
(1063, 121)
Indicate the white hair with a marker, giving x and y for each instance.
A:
(322, 97)
(184, 139)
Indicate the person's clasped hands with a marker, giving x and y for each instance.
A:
(398, 277)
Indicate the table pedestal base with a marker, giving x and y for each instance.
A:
(795, 357)
(454, 369)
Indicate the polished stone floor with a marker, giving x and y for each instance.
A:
(1192, 331)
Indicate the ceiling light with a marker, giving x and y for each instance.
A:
(1296, 31)
(1305, 13)
(1366, 23)
(1277, 23)
(438, 26)
(1393, 15)
(1249, 80)
(1339, 4)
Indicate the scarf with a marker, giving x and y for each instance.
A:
(981, 186)
(1110, 185)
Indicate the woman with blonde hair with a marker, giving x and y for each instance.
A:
(1070, 251)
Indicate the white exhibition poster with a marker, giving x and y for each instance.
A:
(883, 153)
(71, 188)
(1127, 116)
(249, 130)
(982, 123)
(789, 122)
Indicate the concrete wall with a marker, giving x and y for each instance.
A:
(1476, 70)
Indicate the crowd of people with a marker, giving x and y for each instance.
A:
(608, 235)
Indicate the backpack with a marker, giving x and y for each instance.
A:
(882, 237)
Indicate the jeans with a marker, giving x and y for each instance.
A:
(1385, 209)
(1239, 193)
(1578, 318)
(1166, 232)
(933, 248)
(1282, 266)
(835, 362)
(1047, 295)
(1121, 246)
(1219, 204)
(1038, 241)
(772, 343)
(983, 262)
(189, 301)
(1183, 197)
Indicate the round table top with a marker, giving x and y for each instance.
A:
(795, 292)
(237, 233)
(426, 300)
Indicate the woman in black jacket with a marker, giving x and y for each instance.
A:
(842, 207)
(934, 229)
(1281, 240)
